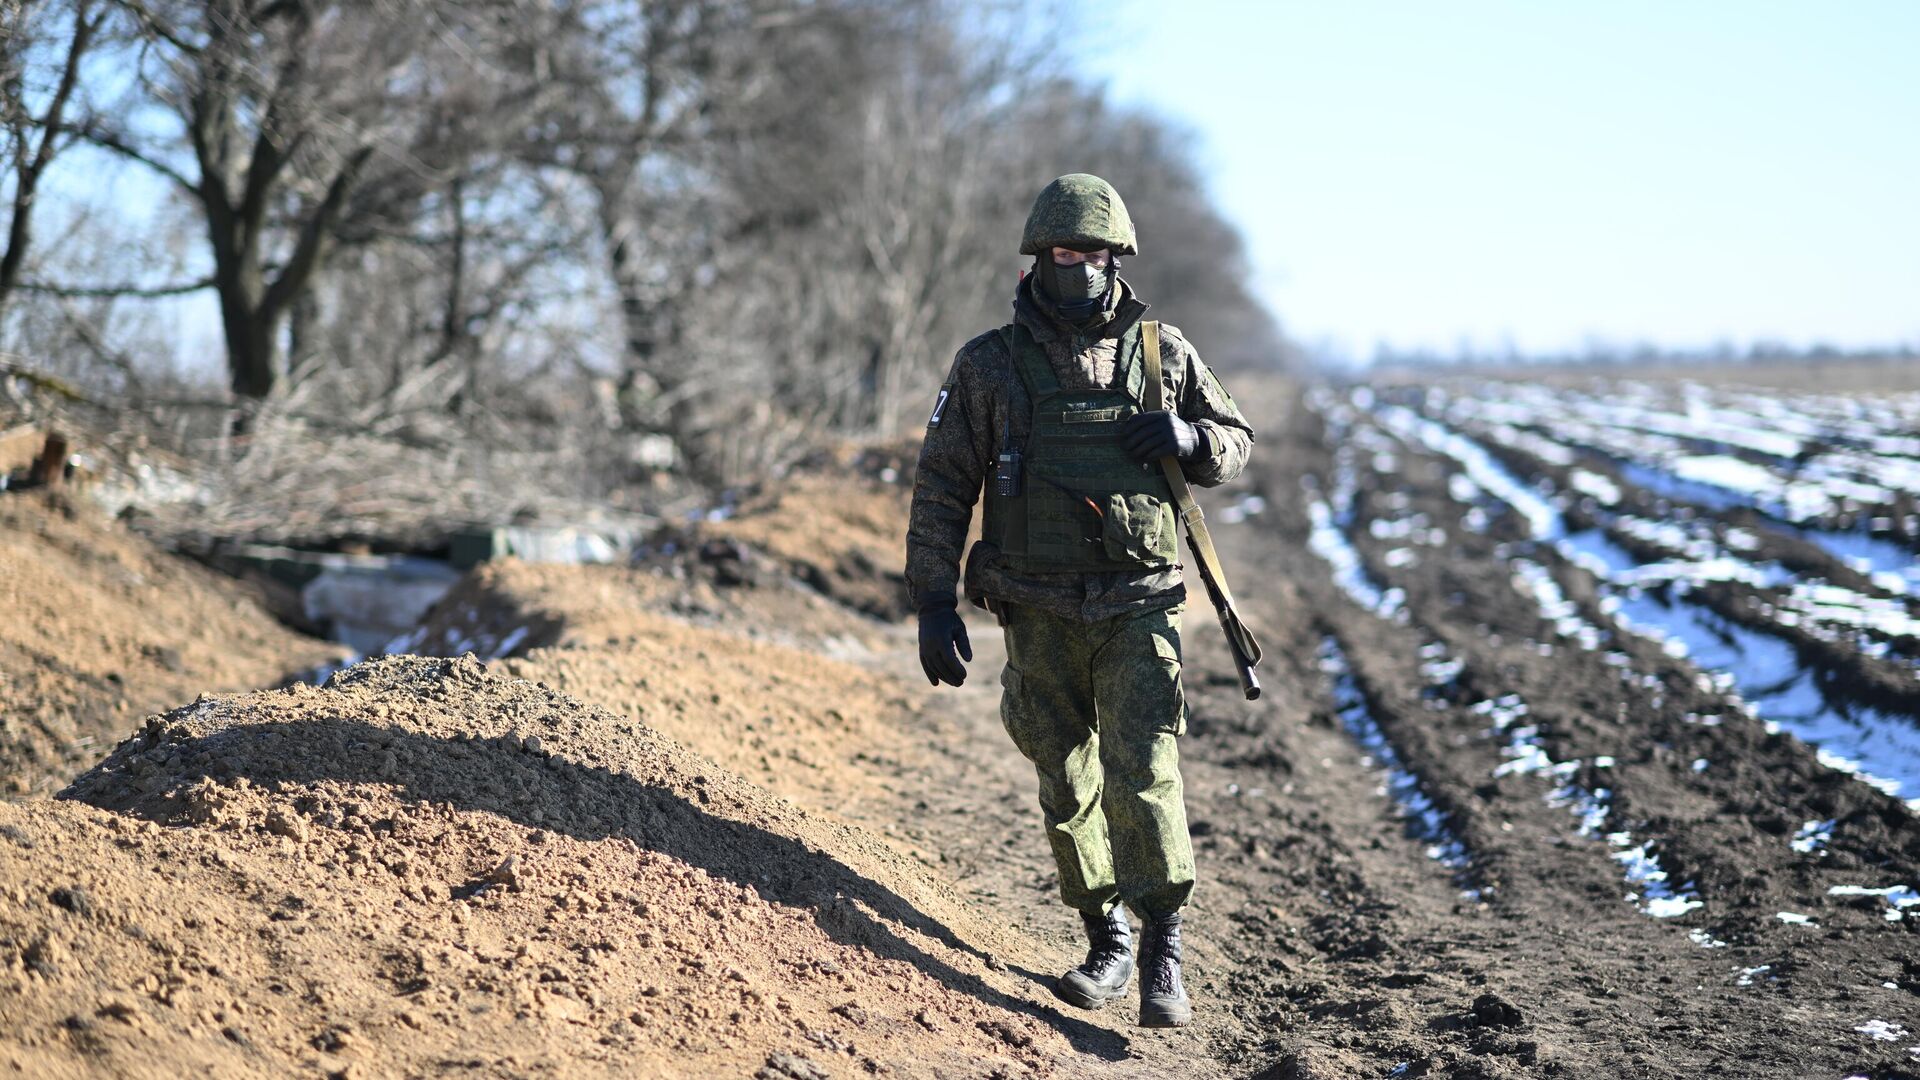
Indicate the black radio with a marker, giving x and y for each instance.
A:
(1006, 478)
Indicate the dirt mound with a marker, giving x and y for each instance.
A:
(798, 724)
(427, 865)
(838, 531)
(507, 607)
(101, 627)
(713, 667)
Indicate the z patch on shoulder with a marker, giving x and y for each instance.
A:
(939, 406)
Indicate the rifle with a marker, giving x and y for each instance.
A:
(1240, 640)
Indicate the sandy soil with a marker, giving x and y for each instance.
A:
(839, 532)
(360, 873)
(98, 627)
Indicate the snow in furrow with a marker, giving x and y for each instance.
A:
(1542, 519)
(1797, 492)
(1524, 750)
(1832, 609)
(1526, 754)
(1425, 821)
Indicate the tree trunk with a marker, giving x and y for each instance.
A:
(253, 360)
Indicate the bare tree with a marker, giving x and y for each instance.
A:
(34, 138)
(692, 235)
(923, 211)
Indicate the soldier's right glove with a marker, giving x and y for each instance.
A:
(941, 631)
(1150, 436)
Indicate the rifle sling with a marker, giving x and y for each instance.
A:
(1198, 538)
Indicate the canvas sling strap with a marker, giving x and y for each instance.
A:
(1240, 640)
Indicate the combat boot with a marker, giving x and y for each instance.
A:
(1108, 965)
(1163, 1000)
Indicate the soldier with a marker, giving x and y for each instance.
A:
(1080, 564)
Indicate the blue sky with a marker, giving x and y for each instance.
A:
(1430, 174)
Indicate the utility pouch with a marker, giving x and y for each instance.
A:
(998, 608)
(1134, 526)
(1057, 510)
(978, 557)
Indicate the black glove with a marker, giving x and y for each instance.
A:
(1150, 436)
(940, 631)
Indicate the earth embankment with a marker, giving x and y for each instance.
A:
(98, 627)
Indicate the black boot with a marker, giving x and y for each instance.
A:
(1163, 1001)
(1108, 965)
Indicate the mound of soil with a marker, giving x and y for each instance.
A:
(811, 729)
(734, 672)
(838, 532)
(101, 627)
(427, 865)
(508, 607)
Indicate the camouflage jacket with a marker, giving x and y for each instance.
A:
(983, 392)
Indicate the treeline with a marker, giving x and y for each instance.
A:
(1603, 354)
(697, 235)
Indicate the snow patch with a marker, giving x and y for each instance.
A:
(1882, 1031)
(1596, 486)
(1899, 897)
(1349, 573)
(1542, 519)
(1425, 821)
(1812, 837)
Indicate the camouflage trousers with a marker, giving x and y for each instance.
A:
(1097, 707)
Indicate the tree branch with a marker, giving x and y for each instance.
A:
(270, 156)
(313, 236)
(136, 292)
(152, 25)
(107, 140)
(95, 342)
(31, 168)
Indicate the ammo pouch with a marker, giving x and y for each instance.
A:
(1136, 527)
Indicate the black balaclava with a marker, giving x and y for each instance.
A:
(1079, 292)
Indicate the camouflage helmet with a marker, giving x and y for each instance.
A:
(1079, 211)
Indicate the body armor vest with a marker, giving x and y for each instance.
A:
(1080, 503)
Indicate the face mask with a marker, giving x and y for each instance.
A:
(1076, 290)
(1081, 281)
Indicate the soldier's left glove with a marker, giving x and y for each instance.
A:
(1149, 436)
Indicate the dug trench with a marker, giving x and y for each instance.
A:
(706, 818)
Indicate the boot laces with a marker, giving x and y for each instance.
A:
(1163, 957)
(1109, 942)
